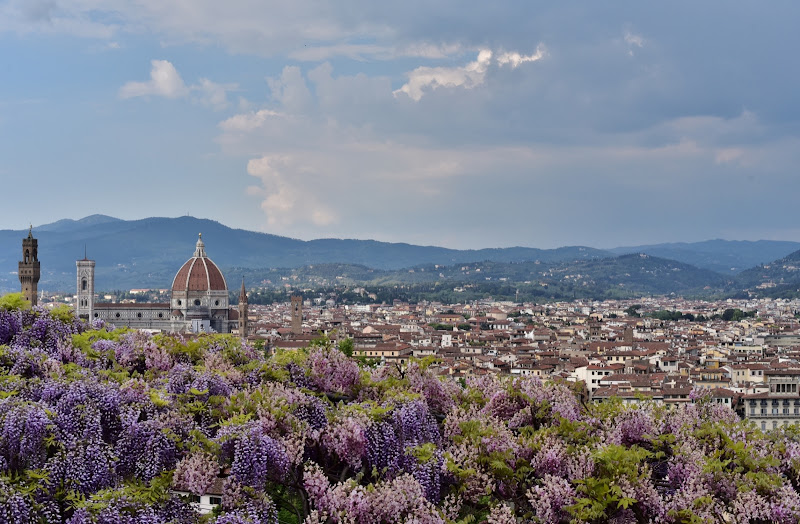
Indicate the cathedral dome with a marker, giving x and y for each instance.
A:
(199, 273)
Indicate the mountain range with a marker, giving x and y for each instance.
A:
(148, 252)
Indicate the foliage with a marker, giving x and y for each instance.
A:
(100, 425)
(13, 301)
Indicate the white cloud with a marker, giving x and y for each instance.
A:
(515, 59)
(468, 76)
(290, 90)
(213, 94)
(423, 79)
(286, 202)
(633, 40)
(248, 121)
(164, 81)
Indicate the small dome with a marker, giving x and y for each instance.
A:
(199, 273)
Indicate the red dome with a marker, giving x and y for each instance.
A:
(199, 273)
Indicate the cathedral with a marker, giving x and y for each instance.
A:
(198, 301)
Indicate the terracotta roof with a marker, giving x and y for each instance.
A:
(199, 273)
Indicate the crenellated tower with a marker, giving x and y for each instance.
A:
(29, 269)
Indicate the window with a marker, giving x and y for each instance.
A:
(196, 499)
(138, 315)
(161, 315)
(216, 302)
(215, 500)
(83, 284)
(117, 315)
(179, 302)
(96, 315)
(197, 302)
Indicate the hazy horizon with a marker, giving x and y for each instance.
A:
(613, 247)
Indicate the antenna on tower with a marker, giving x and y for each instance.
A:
(84, 252)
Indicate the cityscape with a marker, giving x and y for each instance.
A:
(661, 350)
(358, 262)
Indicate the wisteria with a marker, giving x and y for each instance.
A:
(102, 425)
(258, 458)
(196, 473)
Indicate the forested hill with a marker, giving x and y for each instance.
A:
(148, 252)
(727, 257)
(780, 278)
(615, 277)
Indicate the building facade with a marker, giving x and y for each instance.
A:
(778, 407)
(198, 300)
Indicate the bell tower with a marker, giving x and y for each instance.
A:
(29, 269)
(297, 315)
(243, 311)
(84, 304)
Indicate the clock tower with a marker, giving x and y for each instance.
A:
(29, 270)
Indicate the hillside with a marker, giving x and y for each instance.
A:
(615, 277)
(148, 252)
(727, 257)
(780, 278)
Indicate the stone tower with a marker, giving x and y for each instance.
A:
(29, 270)
(594, 331)
(297, 315)
(243, 311)
(84, 305)
(627, 336)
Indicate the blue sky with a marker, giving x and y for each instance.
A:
(459, 124)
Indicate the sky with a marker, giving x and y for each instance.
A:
(451, 123)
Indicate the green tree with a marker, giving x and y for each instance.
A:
(14, 301)
(346, 346)
(633, 311)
